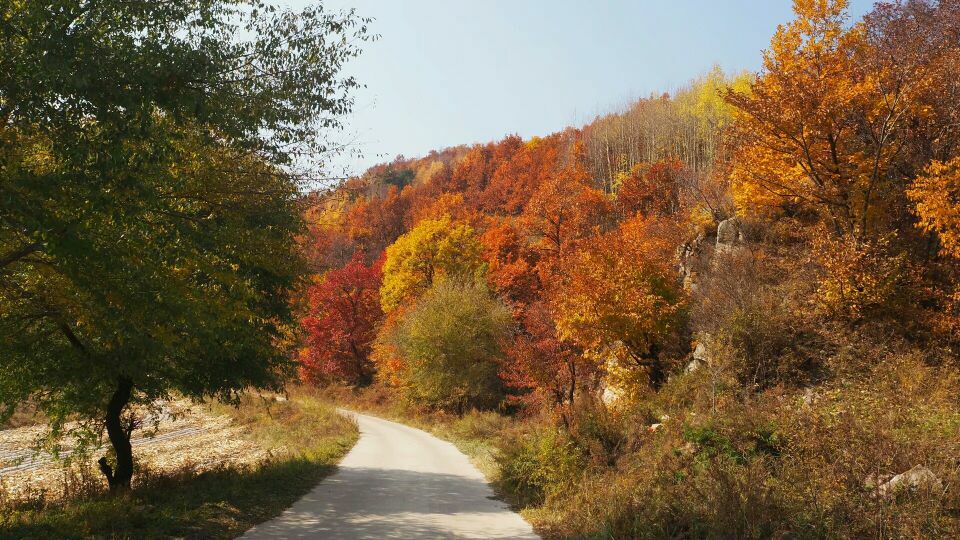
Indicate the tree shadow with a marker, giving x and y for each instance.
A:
(221, 503)
(389, 503)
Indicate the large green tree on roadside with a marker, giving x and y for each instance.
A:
(150, 160)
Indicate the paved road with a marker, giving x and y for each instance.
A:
(398, 482)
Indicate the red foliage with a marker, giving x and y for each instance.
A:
(652, 189)
(518, 177)
(374, 223)
(511, 263)
(563, 212)
(344, 310)
(542, 369)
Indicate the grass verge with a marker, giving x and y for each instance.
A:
(306, 439)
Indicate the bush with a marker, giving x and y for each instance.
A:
(448, 347)
(749, 313)
(540, 464)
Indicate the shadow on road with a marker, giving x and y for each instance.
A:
(390, 503)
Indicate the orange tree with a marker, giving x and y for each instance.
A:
(623, 292)
(818, 129)
(936, 194)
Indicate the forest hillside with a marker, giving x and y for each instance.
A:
(732, 310)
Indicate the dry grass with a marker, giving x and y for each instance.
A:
(294, 444)
(783, 462)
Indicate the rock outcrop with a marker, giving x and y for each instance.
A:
(700, 354)
(693, 257)
(729, 235)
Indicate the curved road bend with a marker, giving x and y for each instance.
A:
(398, 482)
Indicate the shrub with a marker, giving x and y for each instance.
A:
(540, 464)
(448, 347)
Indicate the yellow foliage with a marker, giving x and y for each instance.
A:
(433, 250)
(860, 277)
(426, 172)
(799, 141)
(936, 194)
(704, 98)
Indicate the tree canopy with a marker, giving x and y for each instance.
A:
(148, 194)
(433, 250)
(450, 344)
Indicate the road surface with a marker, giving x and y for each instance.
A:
(398, 482)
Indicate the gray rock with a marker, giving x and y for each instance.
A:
(692, 256)
(729, 235)
(912, 480)
(700, 355)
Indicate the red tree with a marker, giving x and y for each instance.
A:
(652, 189)
(510, 265)
(342, 323)
(542, 369)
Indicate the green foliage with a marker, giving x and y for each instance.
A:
(711, 442)
(398, 177)
(539, 465)
(148, 204)
(449, 347)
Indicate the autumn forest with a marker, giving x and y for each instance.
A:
(742, 293)
(731, 310)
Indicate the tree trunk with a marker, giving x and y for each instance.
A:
(119, 478)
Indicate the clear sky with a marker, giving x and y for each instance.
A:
(448, 72)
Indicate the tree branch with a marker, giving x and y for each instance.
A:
(19, 253)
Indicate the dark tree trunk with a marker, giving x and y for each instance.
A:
(119, 478)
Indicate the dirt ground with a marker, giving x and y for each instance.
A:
(188, 436)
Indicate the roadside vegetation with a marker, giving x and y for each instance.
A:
(303, 439)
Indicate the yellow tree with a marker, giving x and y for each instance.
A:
(433, 250)
(936, 194)
(818, 129)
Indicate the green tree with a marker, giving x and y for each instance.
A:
(148, 200)
(449, 346)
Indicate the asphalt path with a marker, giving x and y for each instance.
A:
(398, 482)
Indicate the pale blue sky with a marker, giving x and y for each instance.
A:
(451, 72)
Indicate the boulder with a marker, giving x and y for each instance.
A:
(700, 355)
(912, 480)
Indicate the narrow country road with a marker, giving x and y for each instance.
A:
(398, 482)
